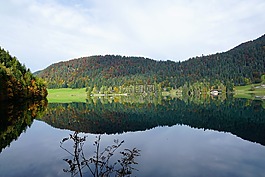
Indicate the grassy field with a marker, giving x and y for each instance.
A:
(247, 92)
(66, 95)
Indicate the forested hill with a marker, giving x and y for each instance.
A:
(241, 65)
(17, 82)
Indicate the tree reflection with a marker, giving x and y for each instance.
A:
(16, 117)
(241, 117)
(101, 163)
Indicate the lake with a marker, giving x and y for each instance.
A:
(174, 137)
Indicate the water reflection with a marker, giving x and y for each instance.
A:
(16, 118)
(244, 118)
(101, 161)
(167, 147)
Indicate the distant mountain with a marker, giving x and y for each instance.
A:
(241, 65)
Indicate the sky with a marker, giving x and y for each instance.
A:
(42, 32)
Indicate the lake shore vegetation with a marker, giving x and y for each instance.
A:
(17, 82)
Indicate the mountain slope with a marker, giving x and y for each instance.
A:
(244, 62)
(241, 65)
(107, 70)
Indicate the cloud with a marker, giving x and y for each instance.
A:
(43, 32)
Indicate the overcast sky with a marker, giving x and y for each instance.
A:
(42, 32)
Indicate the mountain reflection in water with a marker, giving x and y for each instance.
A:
(243, 118)
(152, 125)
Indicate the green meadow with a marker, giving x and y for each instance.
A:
(66, 95)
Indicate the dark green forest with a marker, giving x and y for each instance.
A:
(244, 118)
(244, 64)
(17, 82)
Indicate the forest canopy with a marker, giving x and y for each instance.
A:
(17, 82)
(242, 65)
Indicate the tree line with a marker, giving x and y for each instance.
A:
(17, 82)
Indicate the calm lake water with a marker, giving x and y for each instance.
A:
(187, 138)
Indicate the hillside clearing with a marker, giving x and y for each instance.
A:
(66, 95)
